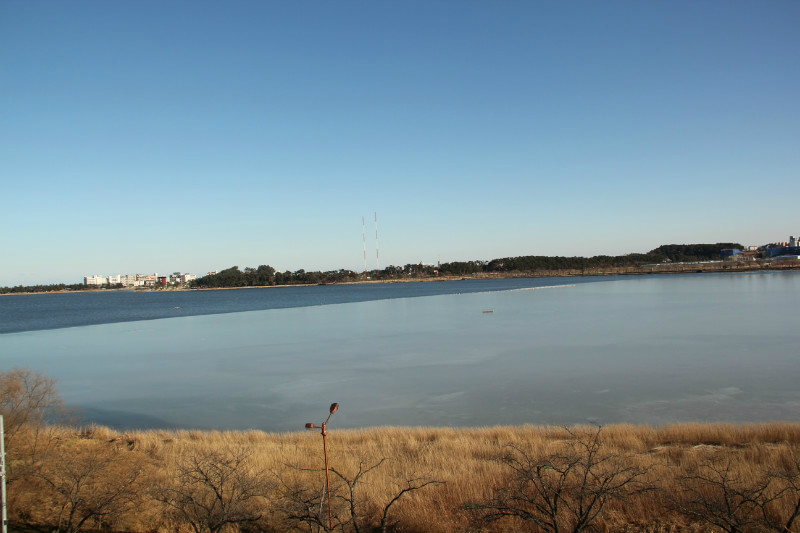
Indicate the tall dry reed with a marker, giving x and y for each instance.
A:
(466, 465)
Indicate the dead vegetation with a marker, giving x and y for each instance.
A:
(687, 478)
(621, 478)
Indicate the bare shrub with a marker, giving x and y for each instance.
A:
(28, 400)
(409, 484)
(214, 489)
(715, 491)
(89, 484)
(302, 501)
(351, 484)
(562, 490)
(353, 509)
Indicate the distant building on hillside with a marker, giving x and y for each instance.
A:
(732, 255)
(776, 250)
(94, 280)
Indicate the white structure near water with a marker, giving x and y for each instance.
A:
(138, 280)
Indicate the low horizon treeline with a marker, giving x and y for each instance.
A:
(265, 275)
(52, 287)
(691, 477)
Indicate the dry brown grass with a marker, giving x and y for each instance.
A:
(467, 461)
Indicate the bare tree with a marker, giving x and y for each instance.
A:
(92, 481)
(352, 483)
(27, 398)
(304, 505)
(215, 489)
(717, 493)
(410, 485)
(564, 490)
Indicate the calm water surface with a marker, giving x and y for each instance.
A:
(651, 349)
(52, 311)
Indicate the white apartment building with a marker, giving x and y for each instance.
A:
(94, 280)
(130, 280)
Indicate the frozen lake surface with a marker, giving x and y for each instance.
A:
(650, 349)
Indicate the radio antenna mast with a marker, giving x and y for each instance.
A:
(364, 241)
(377, 254)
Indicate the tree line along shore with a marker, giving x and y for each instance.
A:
(265, 275)
(683, 477)
(666, 259)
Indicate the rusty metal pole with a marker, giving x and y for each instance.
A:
(324, 428)
(4, 511)
(327, 474)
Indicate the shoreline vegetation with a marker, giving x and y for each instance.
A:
(666, 259)
(682, 477)
(685, 477)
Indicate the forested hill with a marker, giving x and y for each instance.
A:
(694, 252)
(266, 275)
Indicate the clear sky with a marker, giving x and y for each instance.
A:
(155, 136)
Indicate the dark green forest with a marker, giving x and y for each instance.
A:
(46, 288)
(266, 275)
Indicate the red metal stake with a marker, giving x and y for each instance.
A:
(324, 428)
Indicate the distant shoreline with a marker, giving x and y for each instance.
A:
(667, 268)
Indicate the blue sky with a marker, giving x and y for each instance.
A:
(192, 136)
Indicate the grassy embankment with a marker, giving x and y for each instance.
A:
(158, 471)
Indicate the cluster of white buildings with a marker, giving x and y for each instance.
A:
(140, 280)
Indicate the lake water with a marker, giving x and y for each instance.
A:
(649, 349)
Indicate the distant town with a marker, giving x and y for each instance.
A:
(140, 280)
